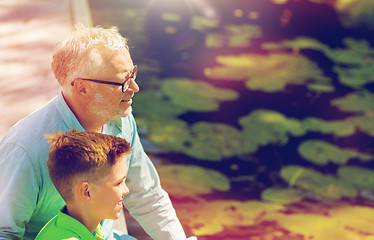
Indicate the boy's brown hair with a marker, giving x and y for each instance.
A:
(86, 154)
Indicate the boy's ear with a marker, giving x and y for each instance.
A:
(84, 191)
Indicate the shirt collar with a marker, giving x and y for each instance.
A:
(73, 225)
(98, 233)
(67, 115)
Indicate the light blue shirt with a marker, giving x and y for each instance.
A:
(28, 199)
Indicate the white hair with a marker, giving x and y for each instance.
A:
(82, 52)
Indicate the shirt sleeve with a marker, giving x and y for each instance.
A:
(18, 191)
(147, 202)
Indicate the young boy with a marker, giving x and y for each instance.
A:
(89, 171)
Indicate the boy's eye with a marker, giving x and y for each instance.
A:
(120, 182)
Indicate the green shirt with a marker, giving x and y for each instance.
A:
(62, 226)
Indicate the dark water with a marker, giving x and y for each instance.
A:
(185, 55)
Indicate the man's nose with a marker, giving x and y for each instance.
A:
(134, 87)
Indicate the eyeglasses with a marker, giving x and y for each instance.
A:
(126, 83)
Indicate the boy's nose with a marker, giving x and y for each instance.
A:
(125, 190)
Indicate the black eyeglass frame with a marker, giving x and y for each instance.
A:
(127, 79)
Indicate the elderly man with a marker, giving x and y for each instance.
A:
(97, 78)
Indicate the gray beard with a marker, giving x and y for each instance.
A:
(105, 111)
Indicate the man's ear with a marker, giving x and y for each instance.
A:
(84, 191)
(80, 86)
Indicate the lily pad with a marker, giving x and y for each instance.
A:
(321, 152)
(216, 141)
(297, 44)
(322, 184)
(356, 77)
(360, 177)
(203, 24)
(214, 40)
(353, 63)
(352, 153)
(202, 140)
(171, 17)
(172, 136)
(161, 108)
(240, 35)
(311, 226)
(269, 73)
(190, 181)
(281, 195)
(195, 95)
(365, 123)
(341, 222)
(265, 126)
(340, 128)
(355, 102)
(212, 217)
(356, 13)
